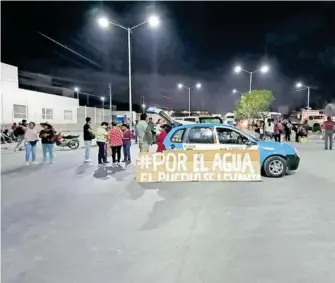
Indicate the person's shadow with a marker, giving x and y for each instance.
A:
(108, 171)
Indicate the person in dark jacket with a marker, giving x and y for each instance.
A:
(47, 136)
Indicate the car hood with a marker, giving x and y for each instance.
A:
(278, 147)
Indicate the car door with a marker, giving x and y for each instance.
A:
(230, 138)
(200, 138)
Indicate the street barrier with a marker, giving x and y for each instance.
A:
(198, 166)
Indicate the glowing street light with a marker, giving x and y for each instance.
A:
(301, 86)
(152, 21)
(76, 89)
(264, 69)
(197, 86)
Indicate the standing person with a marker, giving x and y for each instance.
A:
(31, 139)
(144, 133)
(287, 131)
(261, 129)
(19, 133)
(152, 127)
(329, 127)
(126, 140)
(269, 129)
(115, 136)
(136, 135)
(159, 126)
(88, 137)
(277, 131)
(47, 136)
(161, 137)
(101, 138)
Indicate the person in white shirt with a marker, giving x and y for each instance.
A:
(269, 129)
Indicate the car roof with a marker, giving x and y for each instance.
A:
(205, 125)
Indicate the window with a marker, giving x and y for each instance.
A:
(229, 136)
(47, 113)
(212, 120)
(201, 135)
(68, 115)
(190, 119)
(178, 136)
(20, 111)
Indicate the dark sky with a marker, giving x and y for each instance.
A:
(197, 41)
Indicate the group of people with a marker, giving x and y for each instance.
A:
(29, 136)
(275, 129)
(111, 139)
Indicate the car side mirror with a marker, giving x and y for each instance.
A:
(249, 142)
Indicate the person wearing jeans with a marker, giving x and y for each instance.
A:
(88, 137)
(101, 137)
(47, 136)
(127, 136)
(31, 139)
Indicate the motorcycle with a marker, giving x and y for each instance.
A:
(71, 141)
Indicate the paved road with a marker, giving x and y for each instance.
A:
(68, 223)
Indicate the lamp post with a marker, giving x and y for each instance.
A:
(301, 86)
(110, 103)
(197, 86)
(153, 21)
(264, 69)
(76, 91)
(103, 107)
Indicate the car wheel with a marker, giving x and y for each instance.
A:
(275, 167)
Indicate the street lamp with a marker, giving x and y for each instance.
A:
(143, 108)
(264, 69)
(153, 21)
(301, 86)
(103, 107)
(197, 86)
(76, 90)
(236, 91)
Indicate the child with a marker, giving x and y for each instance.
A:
(126, 140)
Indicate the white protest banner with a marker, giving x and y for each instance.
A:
(199, 165)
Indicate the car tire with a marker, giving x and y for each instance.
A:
(275, 167)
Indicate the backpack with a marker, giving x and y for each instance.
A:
(19, 131)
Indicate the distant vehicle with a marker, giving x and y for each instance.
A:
(67, 141)
(199, 119)
(229, 118)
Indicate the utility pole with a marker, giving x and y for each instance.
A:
(142, 104)
(110, 102)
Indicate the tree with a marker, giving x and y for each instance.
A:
(254, 104)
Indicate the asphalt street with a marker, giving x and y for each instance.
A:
(72, 223)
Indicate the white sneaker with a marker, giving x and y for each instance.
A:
(27, 164)
(35, 163)
(88, 160)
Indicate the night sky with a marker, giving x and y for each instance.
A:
(196, 41)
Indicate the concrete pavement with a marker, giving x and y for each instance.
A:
(69, 222)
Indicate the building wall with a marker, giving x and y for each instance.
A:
(17, 104)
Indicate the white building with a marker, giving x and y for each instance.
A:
(17, 104)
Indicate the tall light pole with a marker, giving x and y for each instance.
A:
(197, 86)
(236, 91)
(110, 102)
(301, 86)
(76, 91)
(142, 104)
(264, 69)
(153, 21)
(103, 107)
